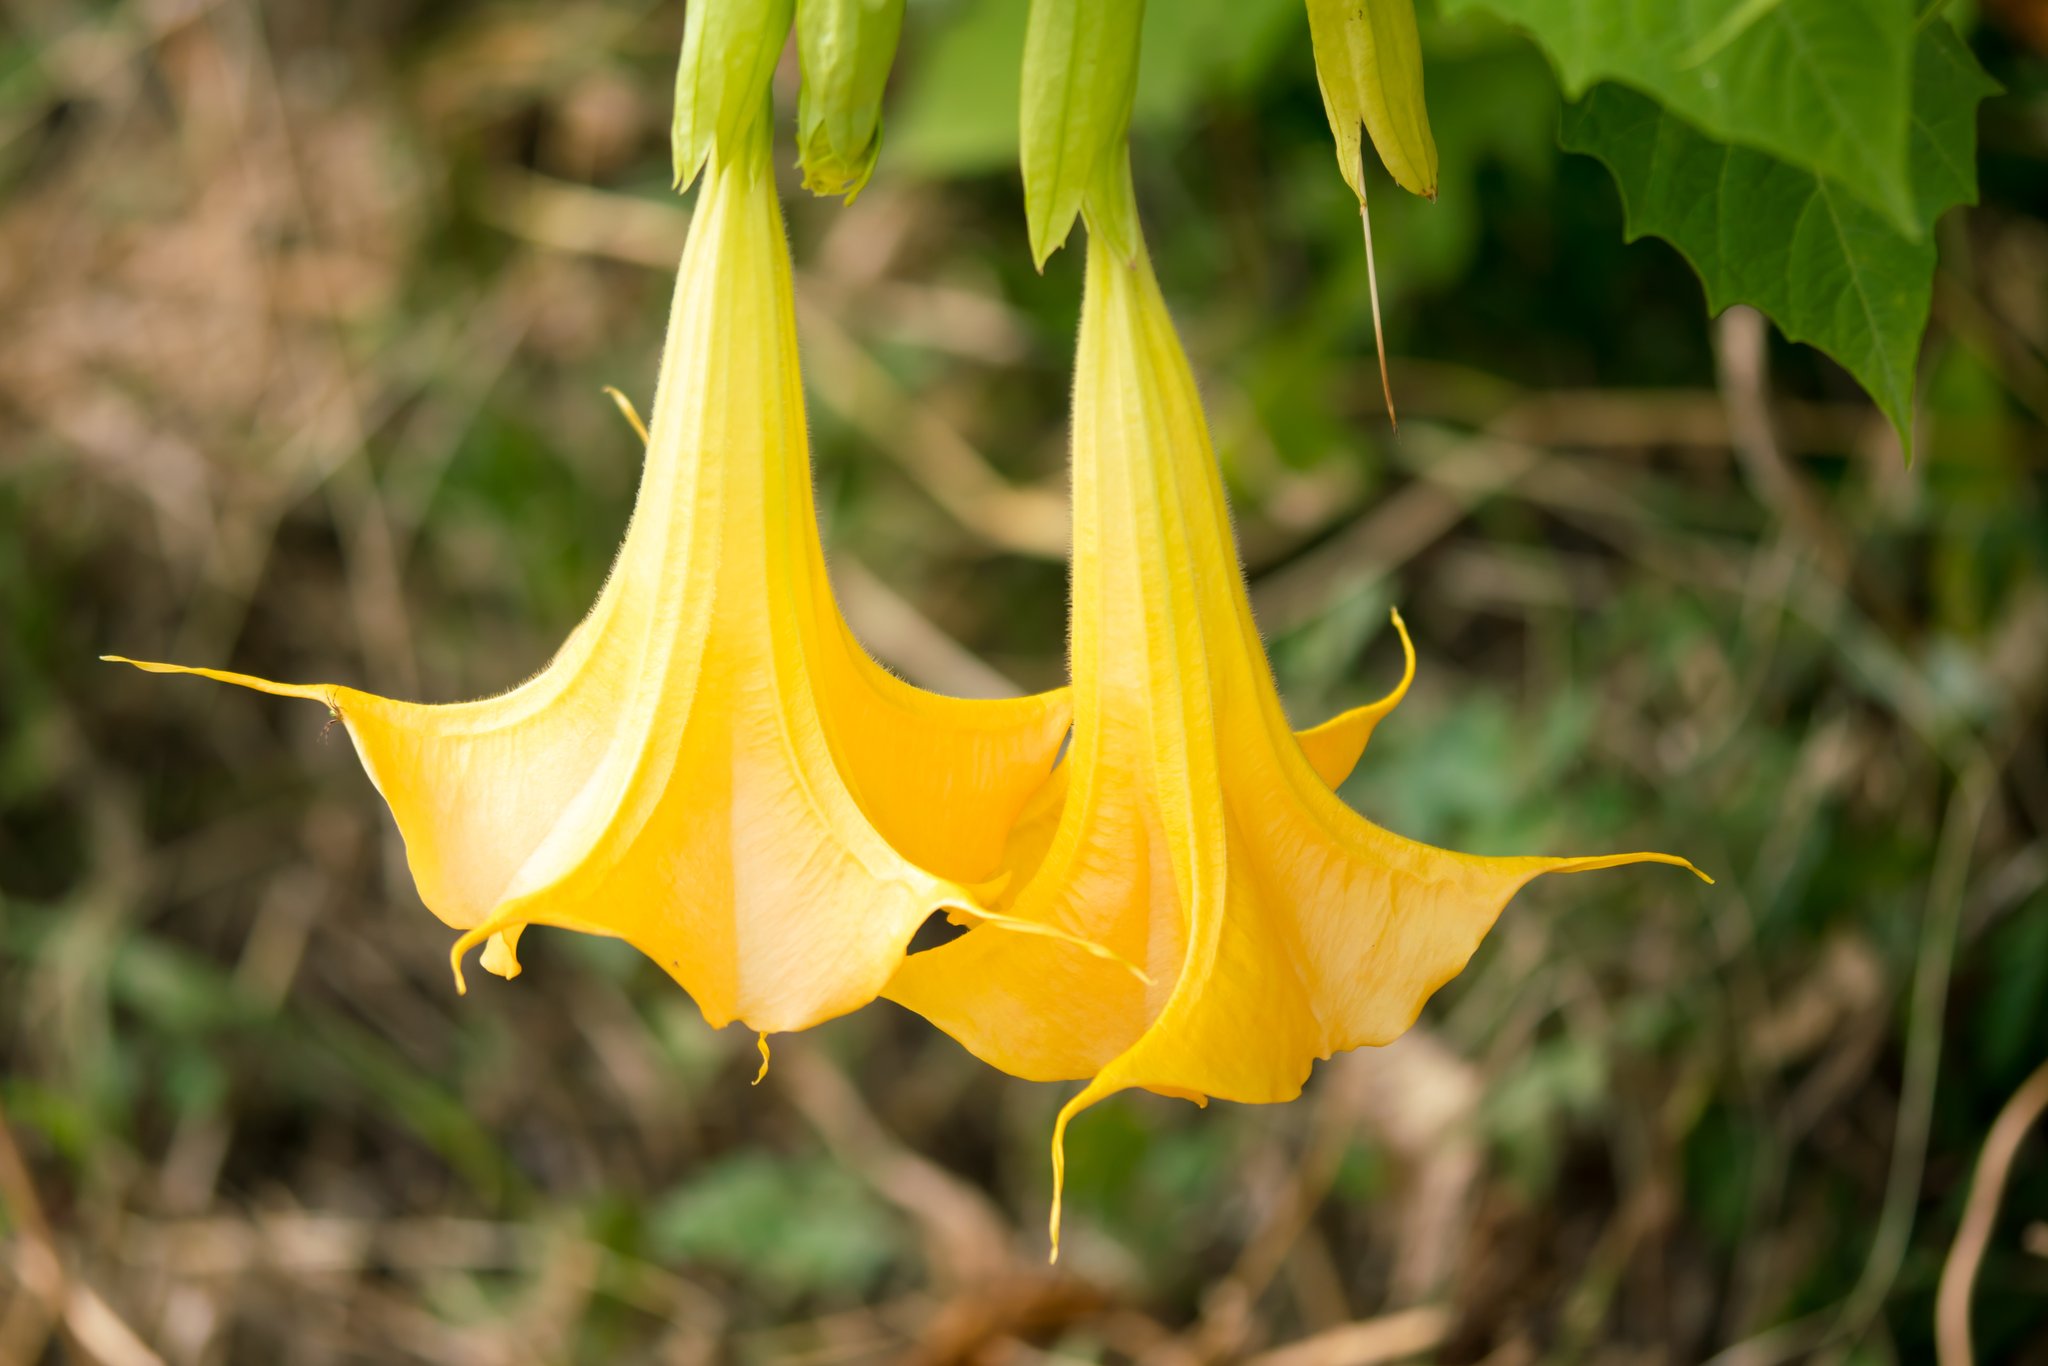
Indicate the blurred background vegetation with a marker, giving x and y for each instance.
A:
(304, 312)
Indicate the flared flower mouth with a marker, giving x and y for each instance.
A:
(711, 767)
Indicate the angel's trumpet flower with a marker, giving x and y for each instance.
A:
(711, 767)
(1199, 836)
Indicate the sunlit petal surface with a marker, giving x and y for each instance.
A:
(711, 767)
(1195, 833)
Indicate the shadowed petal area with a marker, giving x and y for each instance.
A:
(1198, 836)
(711, 767)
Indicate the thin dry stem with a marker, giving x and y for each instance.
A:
(1980, 1214)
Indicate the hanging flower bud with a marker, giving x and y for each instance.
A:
(847, 47)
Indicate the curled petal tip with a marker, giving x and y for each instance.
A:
(1677, 861)
(630, 413)
(471, 937)
(1400, 691)
(761, 1042)
(500, 958)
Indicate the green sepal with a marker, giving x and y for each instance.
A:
(1369, 66)
(730, 48)
(1080, 72)
(847, 47)
(1111, 205)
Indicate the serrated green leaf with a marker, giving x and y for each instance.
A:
(1080, 70)
(847, 48)
(1948, 85)
(1369, 67)
(730, 48)
(1824, 85)
(1828, 269)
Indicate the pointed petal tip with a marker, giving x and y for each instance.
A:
(1593, 863)
(761, 1042)
(1596, 862)
(1059, 1179)
(323, 693)
(1013, 923)
(1677, 861)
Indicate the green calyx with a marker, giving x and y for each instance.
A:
(847, 47)
(1080, 73)
(730, 48)
(1369, 65)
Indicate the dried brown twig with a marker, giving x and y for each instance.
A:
(1980, 1213)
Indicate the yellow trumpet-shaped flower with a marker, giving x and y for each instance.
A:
(1197, 835)
(711, 767)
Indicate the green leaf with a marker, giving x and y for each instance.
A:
(1369, 66)
(730, 48)
(1080, 71)
(1197, 50)
(847, 48)
(957, 111)
(1828, 269)
(1824, 85)
(1948, 85)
